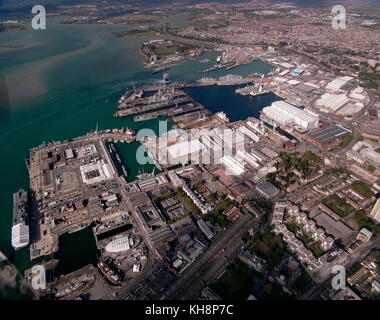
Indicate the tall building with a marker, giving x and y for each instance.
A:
(375, 213)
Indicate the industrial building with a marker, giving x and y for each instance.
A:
(334, 102)
(249, 133)
(119, 245)
(337, 229)
(303, 88)
(150, 216)
(285, 114)
(175, 180)
(375, 213)
(232, 165)
(96, 172)
(338, 83)
(185, 151)
(267, 190)
(248, 158)
(327, 136)
(258, 155)
(205, 229)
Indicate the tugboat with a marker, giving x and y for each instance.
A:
(222, 117)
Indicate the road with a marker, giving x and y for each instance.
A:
(316, 291)
(124, 292)
(203, 261)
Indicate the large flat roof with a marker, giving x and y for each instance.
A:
(328, 134)
(184, 148)
(336, 228)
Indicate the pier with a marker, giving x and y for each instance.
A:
(149, 107)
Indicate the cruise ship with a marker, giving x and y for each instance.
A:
(222, 116)
(20, 229)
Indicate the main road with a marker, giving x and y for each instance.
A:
(217, 245)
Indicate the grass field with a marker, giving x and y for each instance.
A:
(338, 205)
(363, 188)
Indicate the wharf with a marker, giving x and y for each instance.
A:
(178, 85)
(158, 105)
(148, 100)
(255, 94)
(187, 117)
(167, 112)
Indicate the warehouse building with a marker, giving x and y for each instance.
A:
(375, 213)
(328, 136)
(249, 133)
(232, 165)
(333, 102)
(247, 157)
(304, 88)
(285, 114)
(338, 83)
(267, 190)
(185, 151)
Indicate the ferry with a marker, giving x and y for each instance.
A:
(20, 228)
(222, 117)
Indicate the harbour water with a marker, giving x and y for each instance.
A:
(223, 98)
(64, 82)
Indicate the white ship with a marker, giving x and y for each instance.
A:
(222, 116)
(20, 228)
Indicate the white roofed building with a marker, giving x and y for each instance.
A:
(118, 245)
(286, 114)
